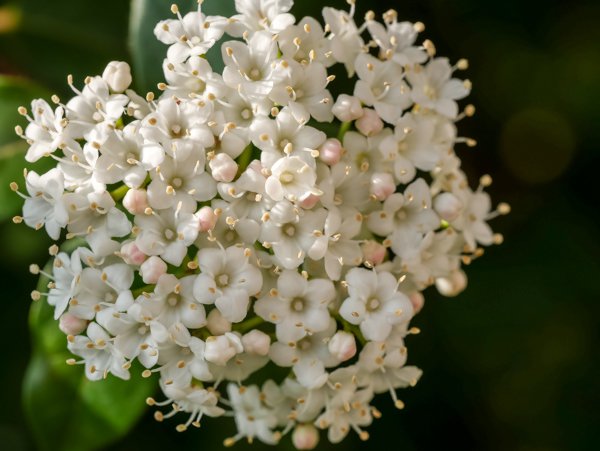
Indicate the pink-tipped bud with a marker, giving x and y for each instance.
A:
(370, 123)
(382, 185)
(152, 269)
(256, 342)
(452, 285)
(216, 323)
(117, 76)
(448, 206)
(342, 345)
(131, 254)
(330, 152)
(223, 168)
(417, 300)
(71, 325)
(373, 252)
(207, 219)
(305, 436)
(309, 202)
(347, 108)
(220, 349)
(136, 201)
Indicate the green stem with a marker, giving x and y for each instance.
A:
(245, 158)
(119, 193)
(343, 129)
(248, 325)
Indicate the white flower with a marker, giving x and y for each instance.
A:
(472, 221)
(405, 213)
(252, 418)
(433, 88)
(291, 178)
(47, 131)
(305, 41)
(66, 273)
(302, 89)
(374, 303)
(191, 35)
(227, 279)
(98, 353)
(117, 76)
(396, 41)
(381, 87)
(256, 15)
(298, 307)
(45, 206)
(167, 234)
(249, 68)
(345, 39)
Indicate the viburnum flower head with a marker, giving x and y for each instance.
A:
(267, 216)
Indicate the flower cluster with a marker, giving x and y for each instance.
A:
(229, 225)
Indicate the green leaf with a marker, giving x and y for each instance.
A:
(52, 39)
(148, 53)
(66, 411)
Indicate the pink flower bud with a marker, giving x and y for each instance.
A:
(417, 300)
(131, 254)
(152, 269)
(448, 206)
(309, 202)
(220, 349)
(216, 324)
(373, 252)
(382, 185)
(117, 76)
(452, 285)
(223, 168)
(347, 108)
(342, 345)
(256, 342)
(330, 152)
(136, 201)
(206, 219)
(71, 325)
(305, 436)
(370, 123)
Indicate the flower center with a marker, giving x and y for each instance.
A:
(401, 215)
(173, 300)
(177, 182)
(246, 114)
(177, 131)
(286, 177)
(169, 234)
(222, 280)
(254, 74)
(373, 304)
(298, 305)
(289, 230)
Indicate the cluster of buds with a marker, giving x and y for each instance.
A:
(225, 230)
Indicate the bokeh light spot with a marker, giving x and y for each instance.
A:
(537, 145)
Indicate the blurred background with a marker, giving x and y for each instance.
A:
(510, 364)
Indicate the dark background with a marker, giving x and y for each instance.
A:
(510, 364)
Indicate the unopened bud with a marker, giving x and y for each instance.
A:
(305, 436)
(223, 168)
(220, 349)
(452, 285)
(216, 323)
(370, 123)
(342, 345)
(131, 254)
(330, 152)
(309, 202)
(136, 201)
(373, 252)
(382, 185)
(448, 206)
(71, 325)
(207, 219)
(117, 75)
(152, 269)
(256, 342)
(417, 300)
(347, 108)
